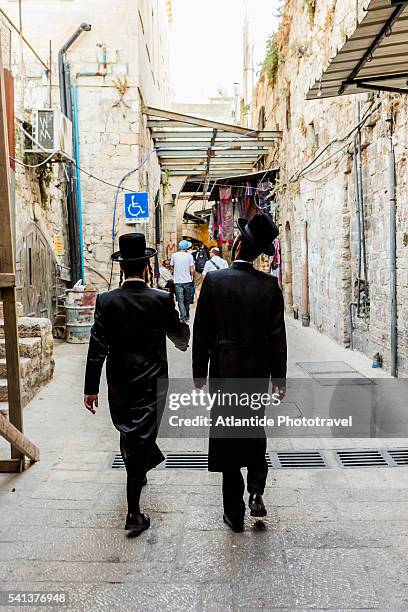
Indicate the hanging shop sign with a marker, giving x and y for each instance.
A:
(137, 207)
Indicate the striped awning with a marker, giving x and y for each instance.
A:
(375, 57)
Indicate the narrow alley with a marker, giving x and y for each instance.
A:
(227, 179)
(319, 546)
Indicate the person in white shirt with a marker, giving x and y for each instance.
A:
(215, 262)
(166, 277)
(182, 264)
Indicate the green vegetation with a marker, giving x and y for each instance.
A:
(271, 61)
(311, 9)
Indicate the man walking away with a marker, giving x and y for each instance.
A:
(182, 264)
(215, 262)
(130, 329)
(239, 332)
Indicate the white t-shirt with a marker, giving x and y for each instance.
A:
(182, 262)
(219, 261)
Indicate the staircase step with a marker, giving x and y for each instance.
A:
(24, 367)
(29, 347)
(29, 327)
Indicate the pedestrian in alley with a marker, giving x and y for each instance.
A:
(130, 329)
(166, 281)
(240, 337)
(182, 264)
(216, 262)
(201, 258)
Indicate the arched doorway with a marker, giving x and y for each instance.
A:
(287, 270)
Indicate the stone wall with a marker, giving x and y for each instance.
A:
(324, 195)
(113, 136)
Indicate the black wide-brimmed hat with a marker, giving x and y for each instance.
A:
(260, 231)
(132, 247)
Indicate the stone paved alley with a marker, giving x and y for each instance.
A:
(334, 539)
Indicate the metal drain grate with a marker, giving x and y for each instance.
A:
(399, 455)
(362, 458)
(186, 461)
(298, 459)
(292, 459)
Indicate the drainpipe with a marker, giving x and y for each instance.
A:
(72, 201)
(305, 275)
(393, 248)
(358, 206)
(78, 179)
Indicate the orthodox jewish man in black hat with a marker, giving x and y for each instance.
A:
(239, 335)
(130, 329)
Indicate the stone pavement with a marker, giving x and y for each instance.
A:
(333, 540)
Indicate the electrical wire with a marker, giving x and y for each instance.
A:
(45, 161)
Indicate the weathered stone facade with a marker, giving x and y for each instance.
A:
(113, 137)
(324, 194)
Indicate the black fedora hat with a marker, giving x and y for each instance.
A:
(132, 247)
(260, 231)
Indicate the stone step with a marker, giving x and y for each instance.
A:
(3, 390)
(25, 363)
(29, 327)
(29, 347)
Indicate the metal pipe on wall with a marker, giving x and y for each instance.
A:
(393, 249)
(305, 275)
(358, 205)
(78, 179)
(75, 241)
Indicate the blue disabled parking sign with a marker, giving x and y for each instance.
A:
(137, 207)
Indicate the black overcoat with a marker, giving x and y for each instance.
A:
(239, 332)
(130, 328)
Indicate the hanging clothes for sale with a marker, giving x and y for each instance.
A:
(263, 196)
(226, 215)
(211, 226)
(276, 262)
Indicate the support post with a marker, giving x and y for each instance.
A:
(11, 430)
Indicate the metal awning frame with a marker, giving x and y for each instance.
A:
(373, 57)
(198, 147)
(369, 83)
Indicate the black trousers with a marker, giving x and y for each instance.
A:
(233, 487)
(138, 459)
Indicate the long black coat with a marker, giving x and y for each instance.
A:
(239, 331)
(130, 329)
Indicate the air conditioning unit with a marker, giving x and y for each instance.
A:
(52, 133)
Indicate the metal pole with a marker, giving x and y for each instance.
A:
(50, 75)
(393, 250)
(305, 275)
(358, 205)
(78, 179)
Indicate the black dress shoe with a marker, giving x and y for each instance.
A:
(237, 525)
(256, 505)
(137, 522)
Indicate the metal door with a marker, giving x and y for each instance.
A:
(37, 274)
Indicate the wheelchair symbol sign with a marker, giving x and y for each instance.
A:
(137, 207)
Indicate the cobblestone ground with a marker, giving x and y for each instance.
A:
(334, 539)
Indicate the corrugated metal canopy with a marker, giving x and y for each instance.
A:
(374, 57)
(203, 149)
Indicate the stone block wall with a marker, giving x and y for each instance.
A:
(325, 194)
